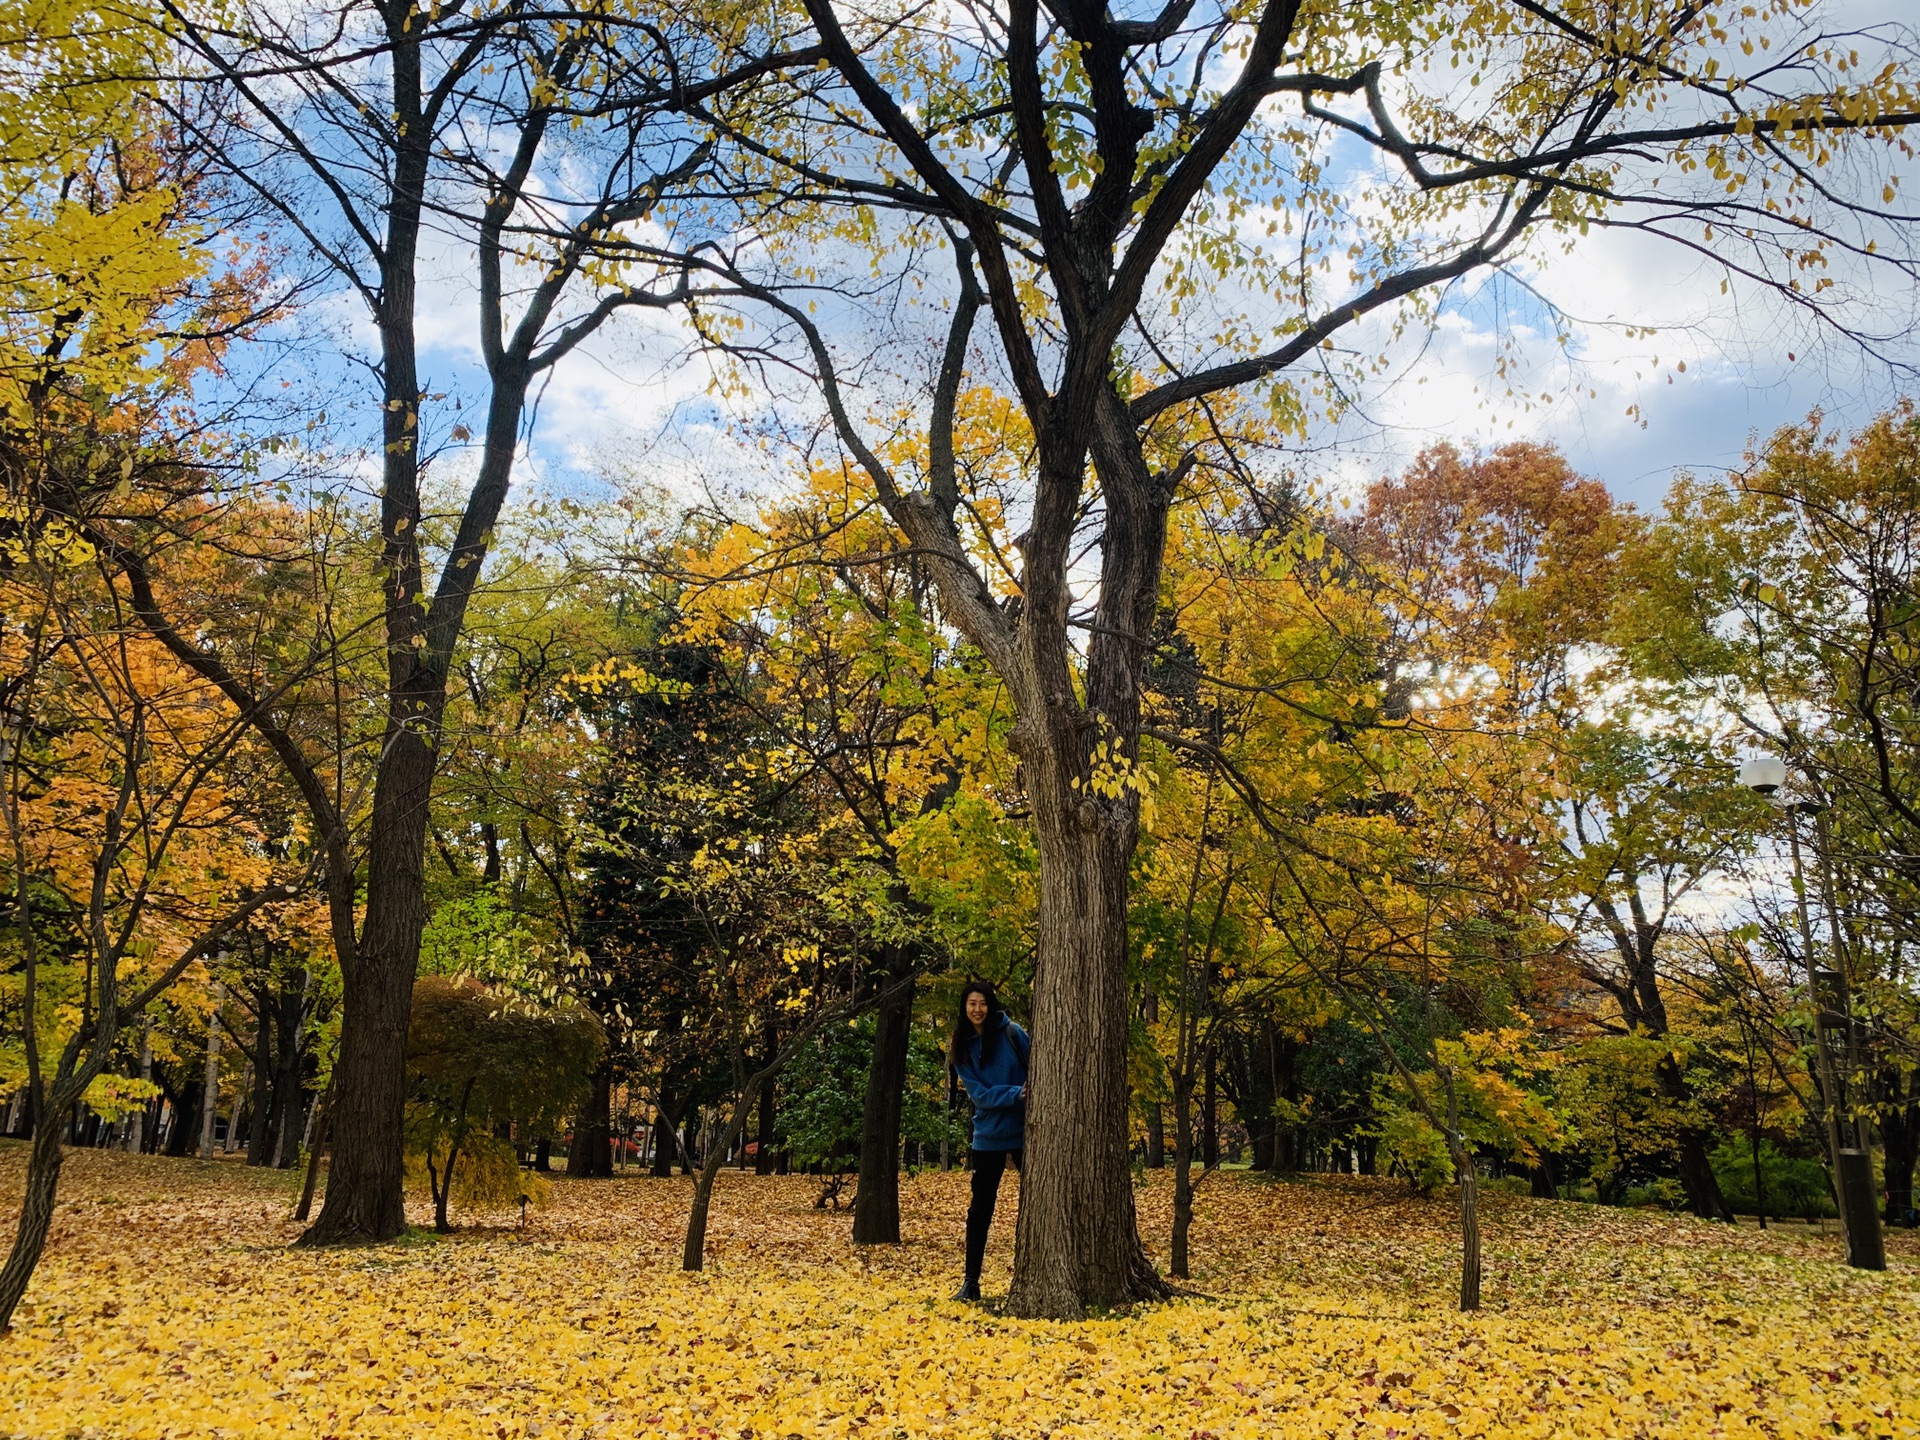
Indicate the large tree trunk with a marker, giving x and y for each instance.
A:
(763, 1158)
(876, 1206)
(364, 1178)
(665, 1126)
(1078, 1243)
(260, 1128)
(288, 1093)
(590, 1155)
(36, 1218)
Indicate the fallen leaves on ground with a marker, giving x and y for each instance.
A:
(170, 1306)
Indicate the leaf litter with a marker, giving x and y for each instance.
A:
(170, 1306)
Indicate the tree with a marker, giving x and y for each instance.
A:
(1096, 174)
(480, 1059)
(1783, 595)
(132, 852)
(364, 130)
(133, 846)
(833, 643)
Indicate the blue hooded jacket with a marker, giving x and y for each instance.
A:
(999, 1110)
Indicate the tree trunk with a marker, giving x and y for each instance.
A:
(590, 1155)
(260, 1131)
(1698, 1180)
(694, 1255)
(364, 1178)
(1210, 1112)
(288, 1093)
(1182, 1174)
(440, 1185)
(1469, 1233)
(322, 1123)
(210, 1086)
(182, 1128)
(137, 1137)
(763, 1157)
(1900, 1129)
(543, 1156)
(1150, 1109)
(876, 1205)
(36, 1218)
(1540, 1181)
(1256, 1105)
(1078, 1242)
(665, 1124)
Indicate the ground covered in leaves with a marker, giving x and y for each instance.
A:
(170, 1305)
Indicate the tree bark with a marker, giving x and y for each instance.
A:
(322, 1123)
(182, 1129)
(1182, 1174)
(36, 1218)
(210, 1086)
(288, 1092)
(364, 1199)
(763, 1159)
(1150, 1108)
(1469, 1234)
(1078, 1242)
(693, 1255)
(590, 1155)
(665, 1126)
(1540, 1181)
(260, 1130)
(876, 1205)
(1698, 1180)
(1210, 1111)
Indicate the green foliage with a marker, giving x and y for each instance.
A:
(1793, 1186)
(1610, 1094)
(1409, 1143)
(482, 936)
(824, 1095)
(480, 1059)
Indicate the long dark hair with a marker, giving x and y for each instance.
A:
(963, 1031)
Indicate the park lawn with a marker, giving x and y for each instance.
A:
(170, 1305)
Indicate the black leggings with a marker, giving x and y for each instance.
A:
(988, 1166)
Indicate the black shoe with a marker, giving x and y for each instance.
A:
(969, 1290)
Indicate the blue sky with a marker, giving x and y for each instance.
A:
(632, 405)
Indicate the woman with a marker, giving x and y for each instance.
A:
(989, 1052)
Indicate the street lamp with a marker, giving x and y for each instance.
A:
(1853, 1163)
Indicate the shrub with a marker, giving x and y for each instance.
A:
(478, 1062)
(1793, 1186)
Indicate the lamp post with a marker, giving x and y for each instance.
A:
(1830, 990)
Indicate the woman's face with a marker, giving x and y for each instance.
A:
(976, 1008)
